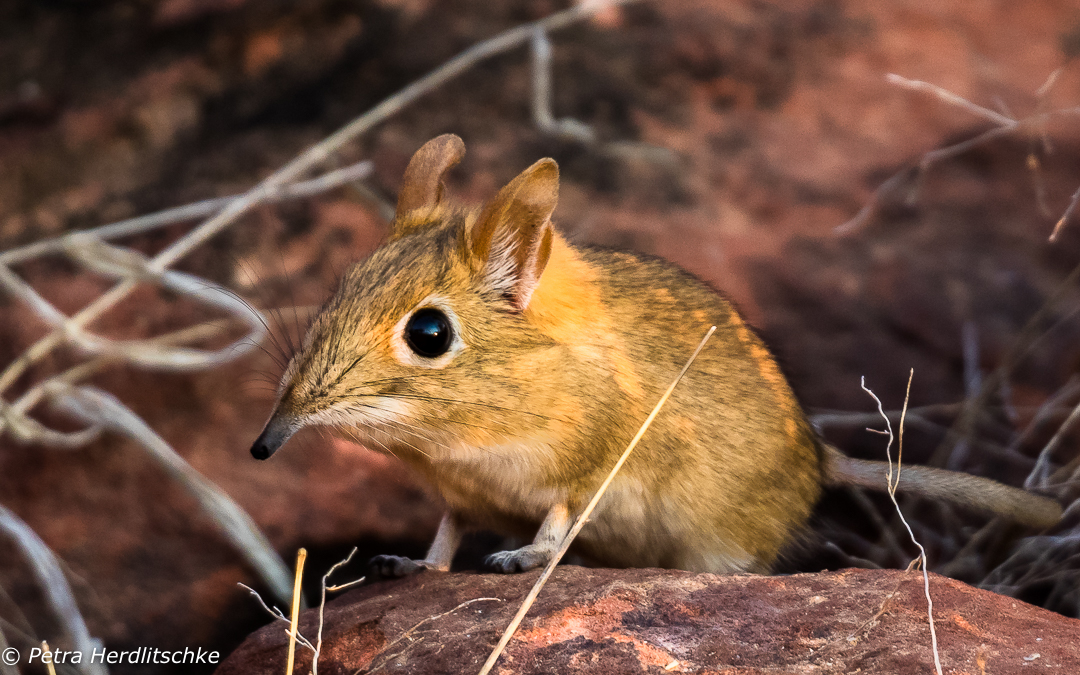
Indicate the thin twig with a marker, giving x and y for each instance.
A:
(272, 611)
(873, 205)
(13, 416)
(892, 485)
(348, 584)
(1040, 475)
(322, 608)
(950, 98)
(278, 615)
(1065, 216)
(55, 587)
(129, 264)
(543, 114)
(180, 214)
(5, 667)
(1004, 125)
(1025, 341)
(100, 408)
(374, 666)
(584, 516)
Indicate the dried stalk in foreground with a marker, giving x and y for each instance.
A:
(301, 557)
(892, 485)
(581, 519)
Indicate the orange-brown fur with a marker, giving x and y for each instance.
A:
(563, 351)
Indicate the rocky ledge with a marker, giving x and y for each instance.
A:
(654, 621)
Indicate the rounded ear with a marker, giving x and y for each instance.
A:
(512, 237)
(422, 185)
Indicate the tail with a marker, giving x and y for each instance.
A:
(959, 488)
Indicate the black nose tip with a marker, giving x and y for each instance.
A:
(260, 450)
(272, 437)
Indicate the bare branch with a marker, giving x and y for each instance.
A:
(950, 98)
(278, 615)
(180, 214)
(100, 408)
(55, 587)
(892, 485)
(1004, 125)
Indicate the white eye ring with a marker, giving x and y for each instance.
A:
(407, 356)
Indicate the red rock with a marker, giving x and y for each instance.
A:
(647, 620)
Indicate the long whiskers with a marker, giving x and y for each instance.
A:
(491, 406)
(351, 433)
(417, 431)
(507, 428)
(413, 429)
(384, 419)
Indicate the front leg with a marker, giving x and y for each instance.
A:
(553, 530)
(438, 557)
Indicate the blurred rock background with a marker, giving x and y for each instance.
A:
(778, 125)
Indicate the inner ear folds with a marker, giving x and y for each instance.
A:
(512, 237)
(422, 185)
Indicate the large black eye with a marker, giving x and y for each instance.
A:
(428, 333)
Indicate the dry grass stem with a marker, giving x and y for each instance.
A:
(950, 98)
(54, 585)
(375, 666)
(180, 214)
(1004, 124)
(5, 668)
(292, 628)
(584, 516)
(543, 116)
(322, 605)
(99, 408)
(294, 617)
(1025, 341)
(1065, 216)
(892, 485)
(47, 657)
(1040, 475)
(278, 615)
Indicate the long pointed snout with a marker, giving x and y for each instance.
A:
(273, 436)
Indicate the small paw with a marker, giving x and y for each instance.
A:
(395, 566)
(519, 560)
